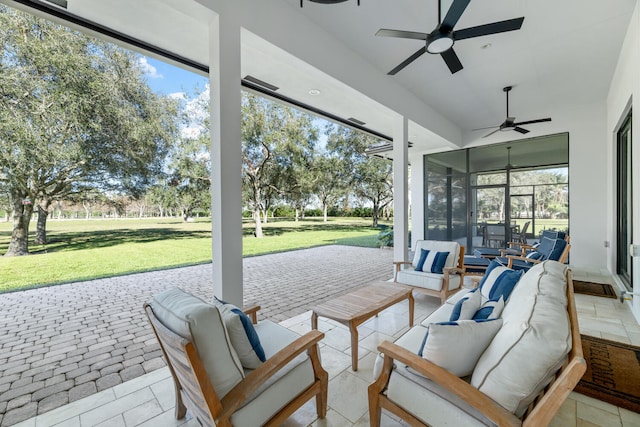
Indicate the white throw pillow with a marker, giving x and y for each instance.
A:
(489, 310)
(242, 334)
(457, 346)
(467, 307)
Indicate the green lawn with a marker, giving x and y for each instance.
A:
(88, 249)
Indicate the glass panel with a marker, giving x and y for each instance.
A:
(489, 227)
(446, 197)
(624, 204)
(492, 178)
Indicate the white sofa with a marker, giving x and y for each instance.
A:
(522, 375)
(425, 278)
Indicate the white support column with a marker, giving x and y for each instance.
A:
(400, 188)
(226, 159)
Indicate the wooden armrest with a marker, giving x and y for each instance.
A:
(239, 394)
(451, 383)
(522, 258)
(400, 263)
(476, 280)
(252, 312)
(452, 270)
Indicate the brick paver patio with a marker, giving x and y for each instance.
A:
(61, 343)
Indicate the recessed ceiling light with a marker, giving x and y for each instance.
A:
(314, 92)
(485, 46)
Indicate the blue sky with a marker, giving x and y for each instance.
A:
(166, 79)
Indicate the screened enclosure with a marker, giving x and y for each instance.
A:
(487, 196)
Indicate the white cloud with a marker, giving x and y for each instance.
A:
(180, 96)
(191, 132)
(148, 69)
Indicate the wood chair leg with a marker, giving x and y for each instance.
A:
(375, 411)
(321, 397)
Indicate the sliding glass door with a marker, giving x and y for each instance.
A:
(624, 204)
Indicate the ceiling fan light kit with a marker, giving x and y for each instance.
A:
(327, 1)
(439, 43)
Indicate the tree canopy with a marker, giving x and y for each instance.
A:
(75, 114)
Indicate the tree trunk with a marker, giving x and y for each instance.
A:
(265, 215)
(324, 211)
(41, 225)
(256, 217)
(87, 209)
(21, 214)
(376, 213)
(297, 215)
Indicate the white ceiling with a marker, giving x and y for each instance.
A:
(562, 58)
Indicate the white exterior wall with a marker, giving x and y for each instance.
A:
(417, 198)
(625, 87)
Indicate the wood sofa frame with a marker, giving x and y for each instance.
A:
(194, 390)
(539, 413)
(445, 292)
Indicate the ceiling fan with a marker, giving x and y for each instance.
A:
(441, 39)
(510, 122)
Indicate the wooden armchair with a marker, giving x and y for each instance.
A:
(210, 382)
(439, 284)
(455, 401)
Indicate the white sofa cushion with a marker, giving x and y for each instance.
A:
(533, 342)
(457, 346)
(282, 387)
(429, 402)
(193, 319)
(242, 334)
(425, 280)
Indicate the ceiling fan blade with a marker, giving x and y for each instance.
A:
(452, 60)
(528, 122)
(384, 32)
(408, 61)
(453, 15)
(521, 130)
(488, 127)
(485, 30)
(491, 133)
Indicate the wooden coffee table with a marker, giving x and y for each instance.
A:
(356, 307)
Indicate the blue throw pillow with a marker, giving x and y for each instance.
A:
(438, 262)
(423, 257)
(499, 281)
(558, 248)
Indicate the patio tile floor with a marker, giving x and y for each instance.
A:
(148, 399)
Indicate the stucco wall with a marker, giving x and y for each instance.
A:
(624, 89)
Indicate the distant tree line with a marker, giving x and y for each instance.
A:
(80, 127)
